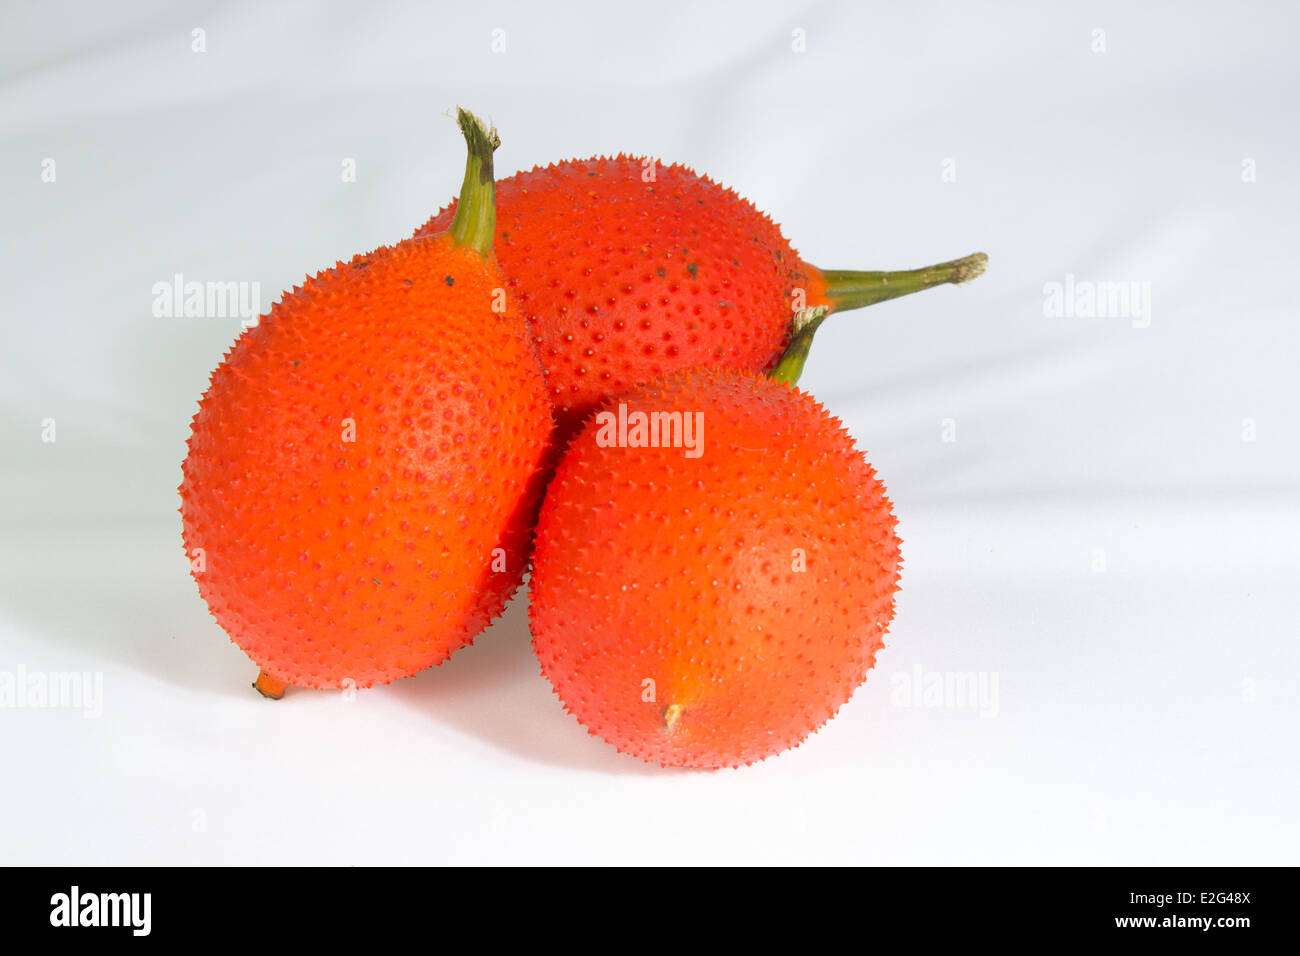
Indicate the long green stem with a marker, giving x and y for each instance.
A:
(475, 223)
(847, 289)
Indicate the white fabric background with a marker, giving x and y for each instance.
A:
(1146, 713)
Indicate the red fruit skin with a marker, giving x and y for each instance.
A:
(621, 279)
(667, 609)
(328, 560)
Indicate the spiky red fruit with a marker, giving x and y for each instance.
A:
(366, 467)
(625, 269)
(715, 610)
(621, 278)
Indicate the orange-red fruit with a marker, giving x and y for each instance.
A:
(364, 471)
(625, 270)
(715, 610)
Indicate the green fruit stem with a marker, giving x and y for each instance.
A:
(846, 289)
(790, 365)
(475, 223)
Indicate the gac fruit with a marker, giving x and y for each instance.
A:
(711, 601)
(365, 469)
(626, 269)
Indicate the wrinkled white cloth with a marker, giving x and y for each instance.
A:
(1095, 657)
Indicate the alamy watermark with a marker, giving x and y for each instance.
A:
(1087, 299)
(651, 430)
(22, 689)
(946, 690)
(181, 299)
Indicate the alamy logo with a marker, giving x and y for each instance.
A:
(946, 690)
(53, 690)
(651, 430)
(1086, 299)
(102, 909)
(179, 299)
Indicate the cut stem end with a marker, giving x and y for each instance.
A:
(269, 686)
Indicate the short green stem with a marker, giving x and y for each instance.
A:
(852, 290)
(475, 223)
(790, 365)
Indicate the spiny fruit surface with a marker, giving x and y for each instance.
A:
(365, 468)
(622, 278)
(714, 610)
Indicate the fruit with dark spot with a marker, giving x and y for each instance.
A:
(626, 269)
(365, 468)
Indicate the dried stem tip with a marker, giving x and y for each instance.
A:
(671, 713)
(475, 222)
